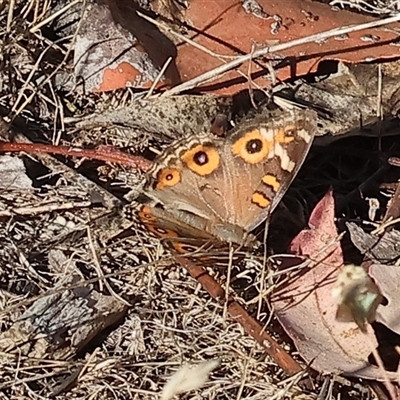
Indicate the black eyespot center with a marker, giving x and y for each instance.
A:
(254, 146)
(289, 132)
(169, 177)
(201, 158)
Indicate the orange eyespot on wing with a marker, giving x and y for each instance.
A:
(286, 135)
(202, 160)
(168, 177)
(253, 147)
(146, 216)
(183, 248)
(160, 232)
(260, 199)
(271, 181)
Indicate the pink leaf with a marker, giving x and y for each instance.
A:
(307, 309)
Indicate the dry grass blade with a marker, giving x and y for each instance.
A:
(171, 319)
(237, 312)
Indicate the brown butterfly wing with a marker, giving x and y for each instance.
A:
(226, 187)
(259, 160)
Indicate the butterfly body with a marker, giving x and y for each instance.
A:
(207, 188)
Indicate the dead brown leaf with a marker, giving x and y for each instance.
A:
(117, 48)
(307, 310)
(108, 57)
(225, 28)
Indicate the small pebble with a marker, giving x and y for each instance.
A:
(370, 38)
(343, 36)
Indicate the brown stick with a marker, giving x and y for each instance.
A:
(238, 313)
(102, 153)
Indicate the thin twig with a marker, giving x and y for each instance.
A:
(100, 273)
(103, 153)
(11, 5)
(238, 313)
(198, 46)
(228, 281)
(53, 16)
(389, 385)
(44, 209)
(158, 78)
(53, 73)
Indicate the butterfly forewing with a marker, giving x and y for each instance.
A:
(259, 160)
(224, 188)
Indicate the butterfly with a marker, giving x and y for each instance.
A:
(217, 190)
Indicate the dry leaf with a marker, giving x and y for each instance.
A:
(13, 174)
(108, 57)
(188, 377)
(387, 277)
(225, 28)
(117, 48)
(383, 249)
(307, 310)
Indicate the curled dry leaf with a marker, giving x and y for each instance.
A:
(383, 248)
(188, 377)
(109, 57)
(307, 310)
